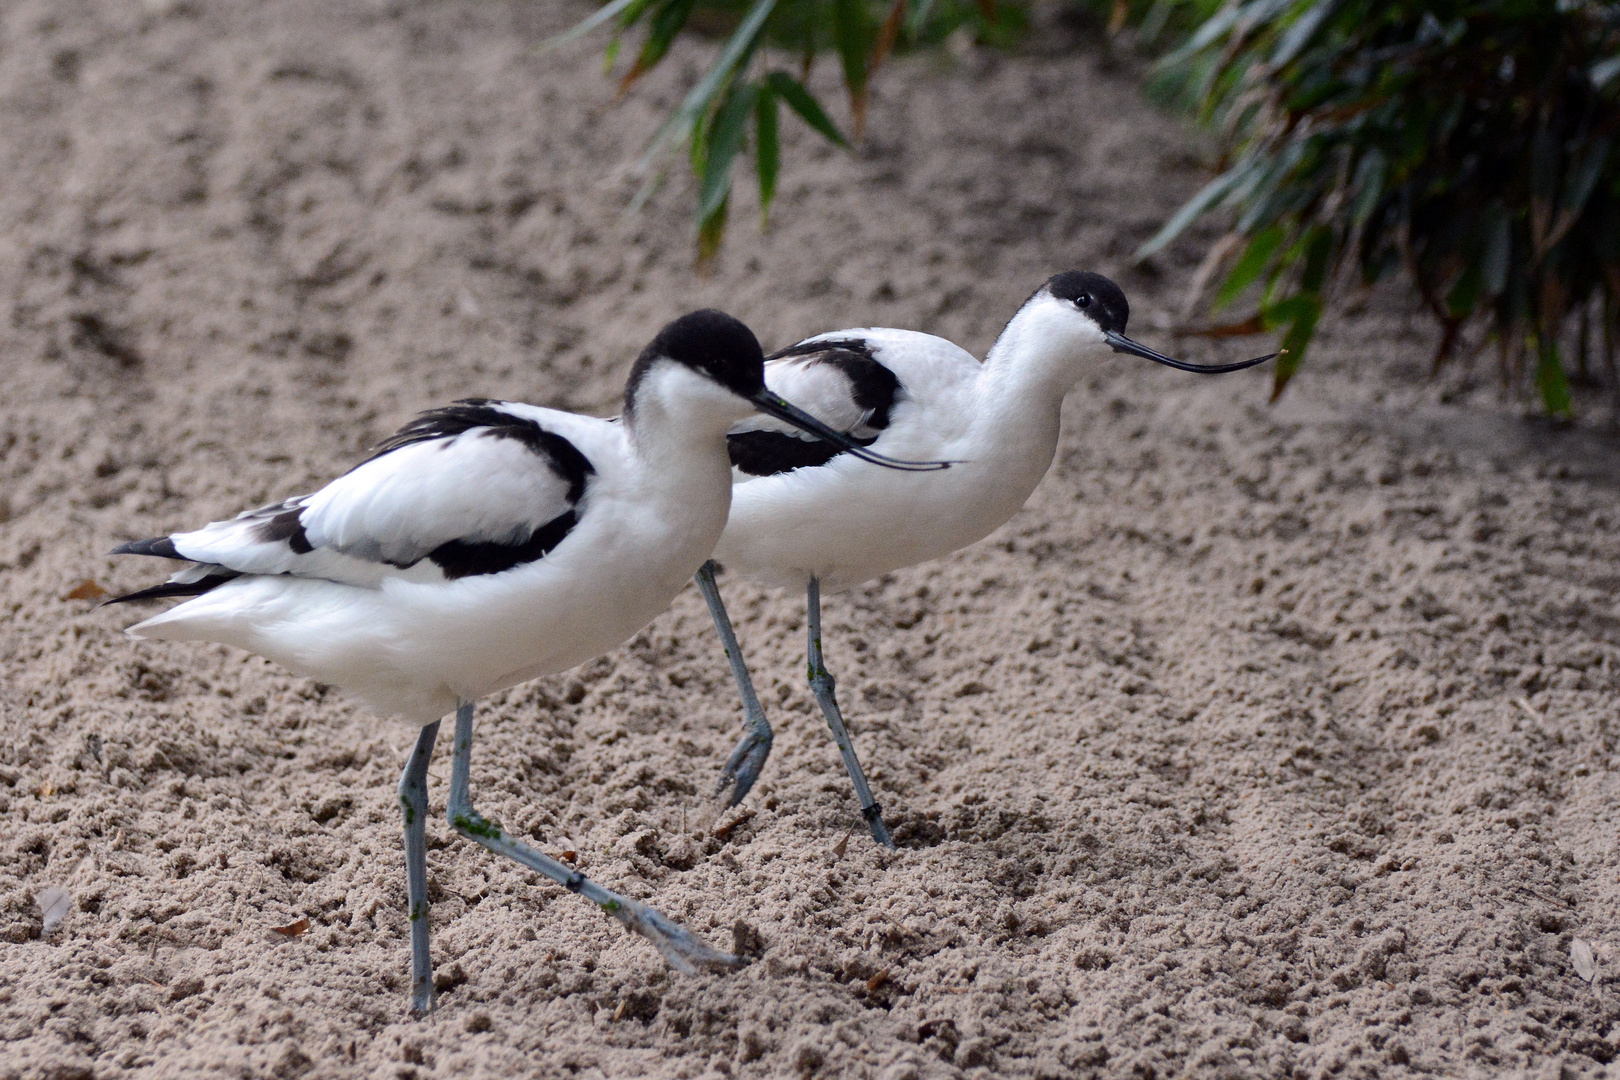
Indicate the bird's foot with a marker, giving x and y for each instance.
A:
(744, 765)
(424, 1000)
(685, 951)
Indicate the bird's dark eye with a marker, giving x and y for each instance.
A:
(1083, 300)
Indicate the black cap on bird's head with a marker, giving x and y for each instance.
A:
(720, 347)
(713, 343)
(1094, 295)
(1104, 303)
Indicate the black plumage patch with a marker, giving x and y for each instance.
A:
(1093, 294)
(163, 547)
(160, 546)
(174, 588)
(470, 413)
(462, 558)
(873, 388)
(709, 341)
(285, 526)
(766, 453)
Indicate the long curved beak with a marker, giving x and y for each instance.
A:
(773, 405)
(1121, 343)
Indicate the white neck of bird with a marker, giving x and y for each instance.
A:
(1036, 361)
(681, 414)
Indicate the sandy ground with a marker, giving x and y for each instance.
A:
(1264, 742)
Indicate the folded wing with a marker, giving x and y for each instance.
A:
(474, 488)
(839, 381)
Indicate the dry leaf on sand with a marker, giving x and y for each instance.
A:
(86, 590)
(724, 831)
(292, 930)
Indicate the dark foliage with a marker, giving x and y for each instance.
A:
(1468, 143)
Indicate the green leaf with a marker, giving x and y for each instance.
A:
(1550, 377)
(739, 47)
(1498, 258)
(917, 18)
(1304, 309)
(1299, 35)
(1369, 185)
(601, 15)
(767, 148)
(1583, 177)
(1605, 70)
(1250, 265)
(711, 231)
(1287, 310)
(1212, 29)
(851, 36)
(800, 101)
(1318, 251)
(666, 23)
(1195, 208)
(721, 144)
(1464, 294)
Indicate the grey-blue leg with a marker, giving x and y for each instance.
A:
(821, 685)
(683, 951)
(743, 767)
(413, 803)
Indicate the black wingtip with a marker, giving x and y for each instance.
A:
(160, 546)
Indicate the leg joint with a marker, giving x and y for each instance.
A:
(575, 882)
(472, 823)
(872, 813)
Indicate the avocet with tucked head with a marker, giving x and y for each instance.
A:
(482, 545)
(809, 514)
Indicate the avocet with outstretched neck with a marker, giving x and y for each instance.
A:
(809, 514)
(482, 545)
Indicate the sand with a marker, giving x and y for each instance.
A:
(1266, 741)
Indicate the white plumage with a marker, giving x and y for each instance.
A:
(807, 516)
(484, 544)
(411, 643)
(846, 524)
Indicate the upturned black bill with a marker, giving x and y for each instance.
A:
(772, 405)
(1121, 343)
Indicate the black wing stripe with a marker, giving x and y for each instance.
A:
(459, 559)
(766, 453)
(470, 413)
(874, 389)
(171, 588)
(286, 526)
(463, 558)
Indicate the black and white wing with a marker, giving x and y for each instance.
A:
(839, 381)
(477, 487)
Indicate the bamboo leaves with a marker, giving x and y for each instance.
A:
(1467, 142)
(735, 107)
(767, 148)
(809, 109)
(853, 39)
